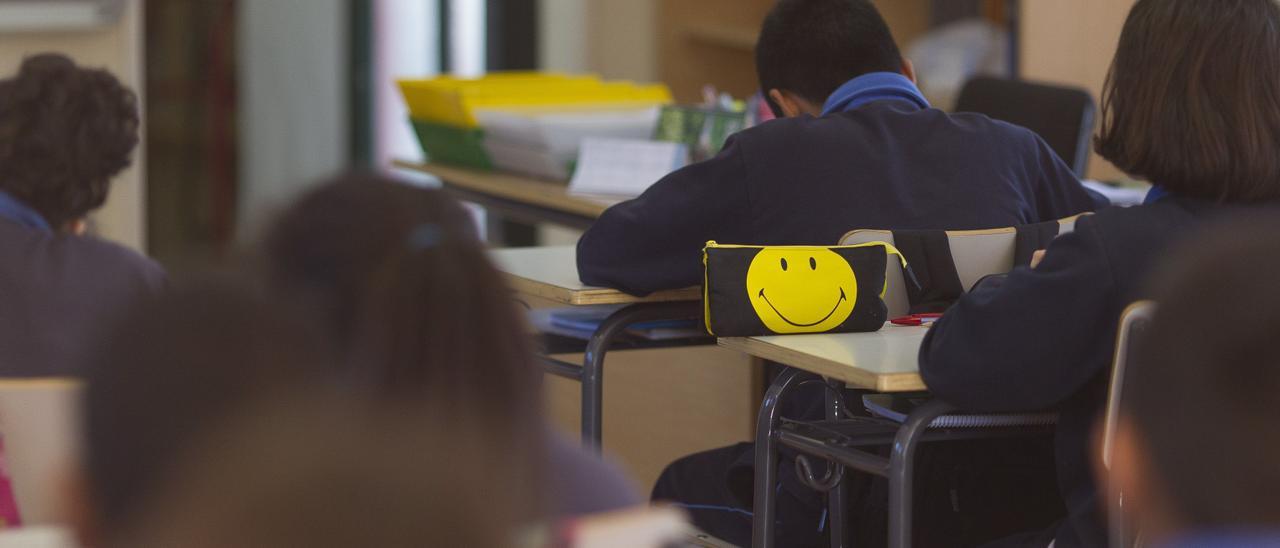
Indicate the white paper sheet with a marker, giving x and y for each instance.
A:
(624, 167)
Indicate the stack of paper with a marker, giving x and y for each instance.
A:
(545, 143)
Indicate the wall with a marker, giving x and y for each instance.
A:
(293, 98)
(622, 39)
(1073, 43)
(119, 50)
(562, 36)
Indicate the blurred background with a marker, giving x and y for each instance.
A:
(247, 101)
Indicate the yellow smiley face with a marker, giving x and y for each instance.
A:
(801, 290)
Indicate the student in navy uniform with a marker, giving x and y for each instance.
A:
(65, 132)
(1193, 105)
(858, 147)
(1197, 441)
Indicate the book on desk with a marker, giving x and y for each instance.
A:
(580, 322)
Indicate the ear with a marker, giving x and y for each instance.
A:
(77, 508)
(909, 70)
(789, 104)
(76, 227)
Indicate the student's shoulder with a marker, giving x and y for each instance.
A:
(988, 126)
(1150, 218)
(109, 257)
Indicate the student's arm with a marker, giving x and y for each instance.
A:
(1032, 340)
(655, 242)
(1059, 193)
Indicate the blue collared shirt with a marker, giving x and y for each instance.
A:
(871, 87)
(14, 210)
(1227, 539)
(1156, 194)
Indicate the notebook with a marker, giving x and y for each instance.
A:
(896, 407)
(580, 322)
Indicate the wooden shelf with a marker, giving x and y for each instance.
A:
(723, 36)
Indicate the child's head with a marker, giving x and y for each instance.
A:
(65, 131)
(401, 282)
(322, 470)
(1192, 102)
(169, 371)
(1198, 442)
(809, 48)
(402, 286)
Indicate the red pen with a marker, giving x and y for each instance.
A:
(916, 319)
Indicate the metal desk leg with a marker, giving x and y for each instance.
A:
(902, 467)
(766, 461)
(836, 510)
(598, 345)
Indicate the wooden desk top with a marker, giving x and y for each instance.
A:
(884, 361)
(527, 190)
(552, 273)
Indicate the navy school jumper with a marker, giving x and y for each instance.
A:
(1045, 338)
(890, 163)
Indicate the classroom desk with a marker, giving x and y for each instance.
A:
(881, 361)
(552, 273)
(884, 361)
(525, 199)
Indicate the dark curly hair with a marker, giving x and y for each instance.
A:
(65, 131)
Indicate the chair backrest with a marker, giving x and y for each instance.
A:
(1062, 116)
(39, 419)
(1133, 325)
(977, 254)
(645, 527)
(38, 537)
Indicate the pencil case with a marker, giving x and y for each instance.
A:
(781, 290)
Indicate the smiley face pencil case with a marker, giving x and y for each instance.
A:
(780, 290)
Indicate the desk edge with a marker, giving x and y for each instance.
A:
(858, 378)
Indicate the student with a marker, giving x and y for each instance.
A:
(858, 147)
(1193, 105)
(65, 132)
(166, 373)
(402, 285)
(1197, 442)
(318, 470)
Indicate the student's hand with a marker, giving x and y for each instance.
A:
(1036, 258)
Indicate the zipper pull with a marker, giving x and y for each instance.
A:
(912, 276)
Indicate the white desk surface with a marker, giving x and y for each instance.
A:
(552, 273)
(884, 361)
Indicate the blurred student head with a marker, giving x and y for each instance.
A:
(809, 48)
(1197, 443)
(401, 284)
(170, 370)
(323, 471)
(65, 132)
(1192, 102)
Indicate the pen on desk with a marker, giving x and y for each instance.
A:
(916, 319)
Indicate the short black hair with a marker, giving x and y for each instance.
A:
(65, 131)
(1202, 387)
(812, 47)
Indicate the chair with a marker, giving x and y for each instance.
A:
(1133, 325)
(1062, 116)
(39, 421)
(976, 253)
(644, 527)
